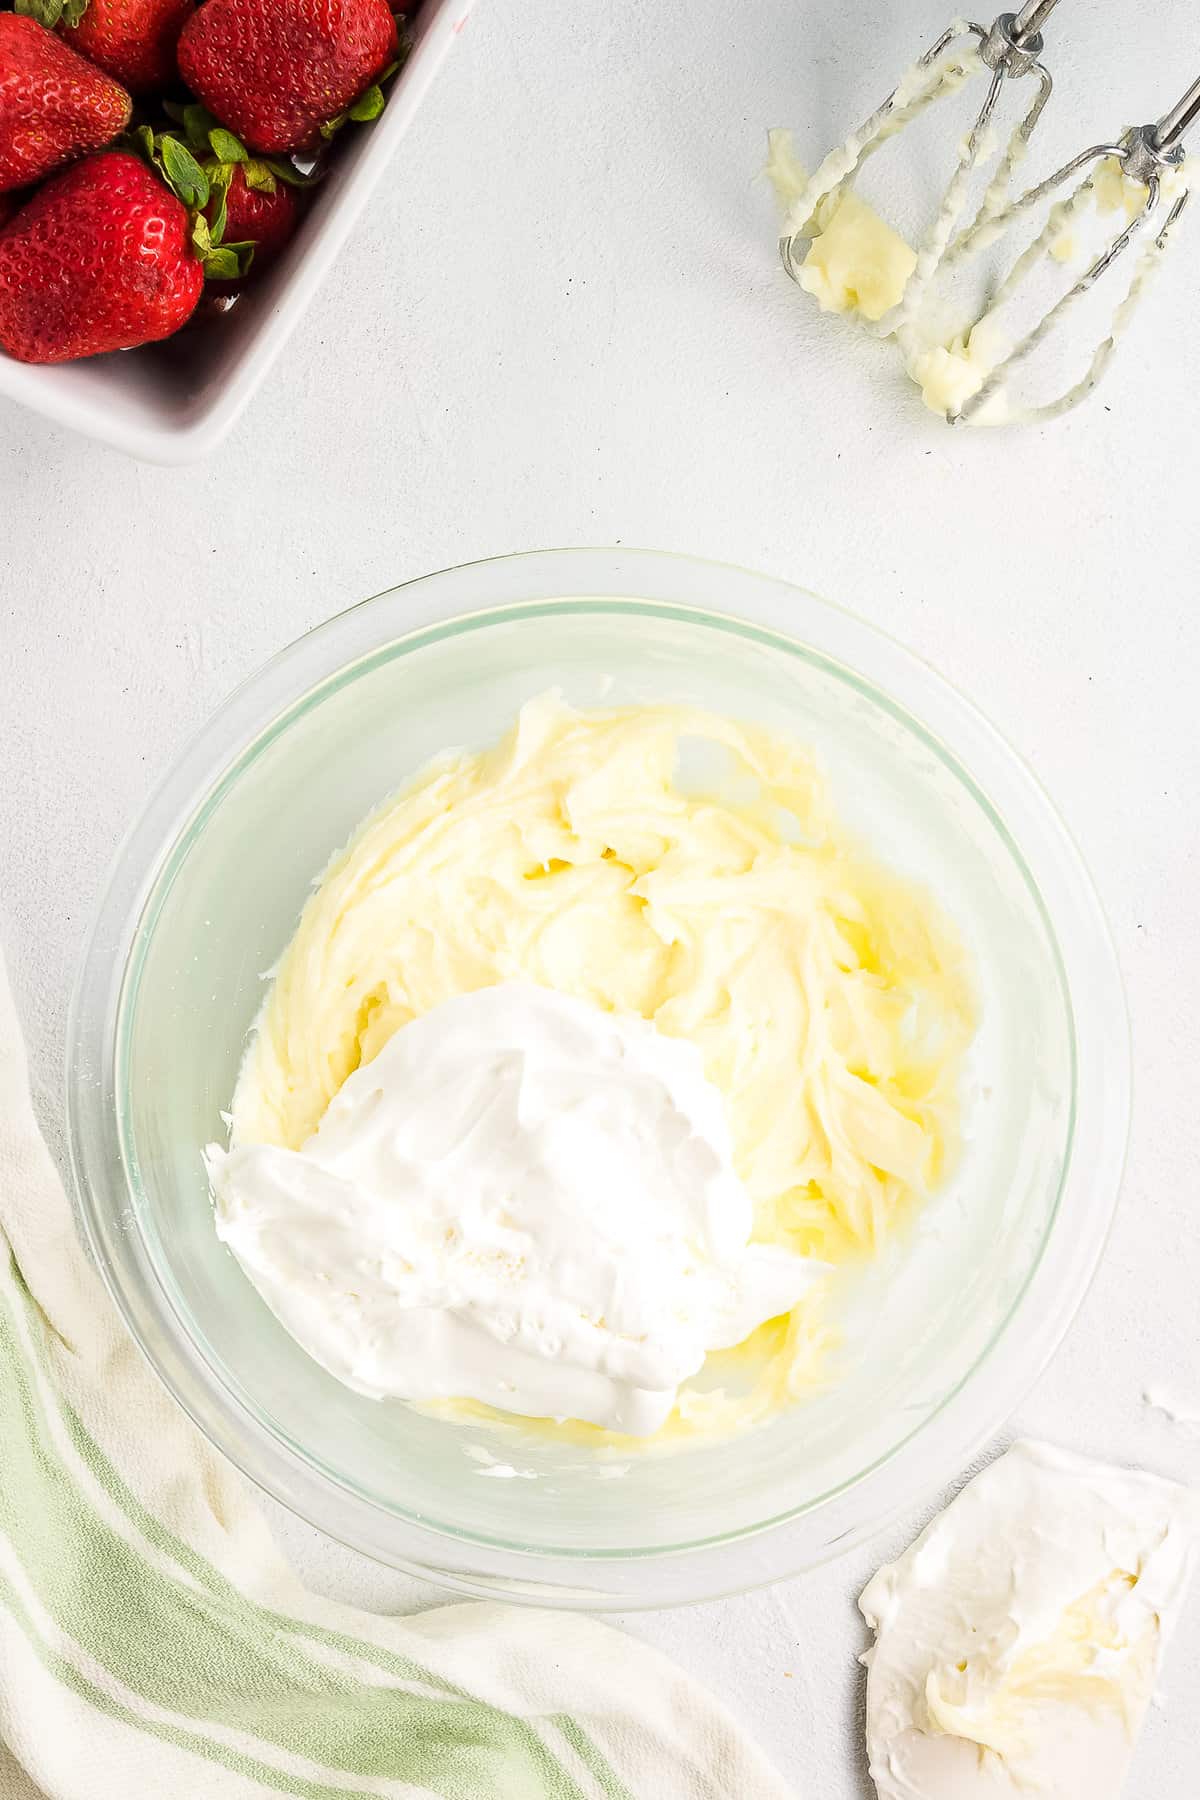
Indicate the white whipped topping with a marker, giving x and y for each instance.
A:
(523, 1200)
(1018, 1640)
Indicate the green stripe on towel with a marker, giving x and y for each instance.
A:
(218, 1659)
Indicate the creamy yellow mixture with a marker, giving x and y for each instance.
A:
(856, 263)
(830, 999)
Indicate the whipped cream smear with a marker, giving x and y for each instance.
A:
(522, 1200)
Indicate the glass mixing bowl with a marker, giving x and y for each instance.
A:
(945, 1335)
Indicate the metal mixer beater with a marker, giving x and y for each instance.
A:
(1149, 159)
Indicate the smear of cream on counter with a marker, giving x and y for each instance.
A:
(1018, 1641)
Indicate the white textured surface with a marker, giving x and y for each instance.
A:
(563, 322)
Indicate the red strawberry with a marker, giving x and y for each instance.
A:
(100, 259)
(276, 71)
(263, 215)
(252, 201)
(133, 39)
(53, 104)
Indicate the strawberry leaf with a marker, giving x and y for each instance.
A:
(229, 262)
(225, 145)
(287, 172)
(46, 12)
(183, 172)
(259, 176)
(196, 120)
(201, 237)
(222, 265)
(199, 123)
(219, 217)
(73, 11)
(368, 106)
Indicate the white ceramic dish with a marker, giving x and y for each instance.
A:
(174, 402)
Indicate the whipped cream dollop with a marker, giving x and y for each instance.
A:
(522, 1200)
(1018, 1641)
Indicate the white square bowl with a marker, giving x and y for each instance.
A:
(174, 402)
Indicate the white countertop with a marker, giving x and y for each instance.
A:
(563, 323)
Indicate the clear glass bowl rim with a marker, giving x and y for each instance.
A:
(392, 624)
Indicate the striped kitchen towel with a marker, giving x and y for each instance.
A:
(155, 1646)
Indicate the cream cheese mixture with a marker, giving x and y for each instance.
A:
(1018, 1641)
(592, 1067)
